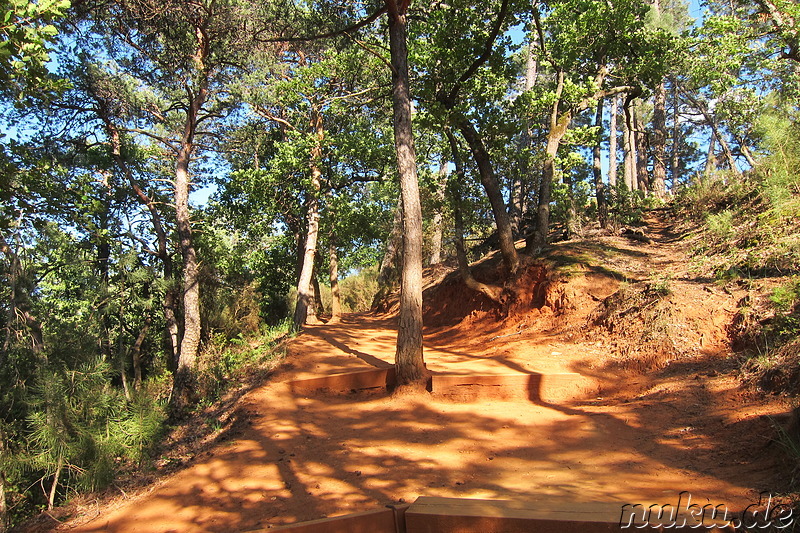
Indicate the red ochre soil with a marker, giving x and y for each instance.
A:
(636, 439)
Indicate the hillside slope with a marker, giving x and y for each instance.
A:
(665, 413)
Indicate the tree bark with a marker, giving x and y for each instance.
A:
(612, 143)
(660, 141)
(136, 354)
(492, 292)
(558, 128)
(597, 169)
(304, 311)
(642, 178)
(521, 183)
(51, 498)
(336, 301)
(629, 172)
(676, 141)
(711, 156)
(492, 188)
(409, 364)
(190, 343)
(4, 522)
(436, 238)
(388, 271)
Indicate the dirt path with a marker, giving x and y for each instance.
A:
(290, 458)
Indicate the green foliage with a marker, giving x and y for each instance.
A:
(226, 362)
(625, 207)
(81, 428)
(720, 225)
(26, 35)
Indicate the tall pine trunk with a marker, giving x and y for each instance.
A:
(629, 172)
(597, 169)
(676, 141)
(190, 343)
(660, 141)
(612, 143)
(409, 364)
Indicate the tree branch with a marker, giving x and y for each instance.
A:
(480, 60)
(369, 20)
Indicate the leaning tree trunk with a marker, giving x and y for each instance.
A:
(597, 169)
(711, 121)
(492, 292)
(711, 156)
(492, 188)
(558, 128)
(304, 310)
(409, 364)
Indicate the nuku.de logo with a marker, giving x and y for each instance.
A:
(761, 515)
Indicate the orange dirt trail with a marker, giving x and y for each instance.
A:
(288, 459)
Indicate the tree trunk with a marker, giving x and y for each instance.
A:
(304, 311)
(493, 293)
(629, 172)
(336, 301)
(612, 143)
(51, 498)
(436, 238)
(4, 522)
(492, 188)
(521, 182)
(642, 177)
(711, 121)
(317, 309)
(748, 155)
(711, 156)
(660, 141)
(558, 128)
(597, 169)
(409, 364)
(676, 141)
(493, 192)
(136, 354)
(190, 343)
(388, 271)
(170, 303)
